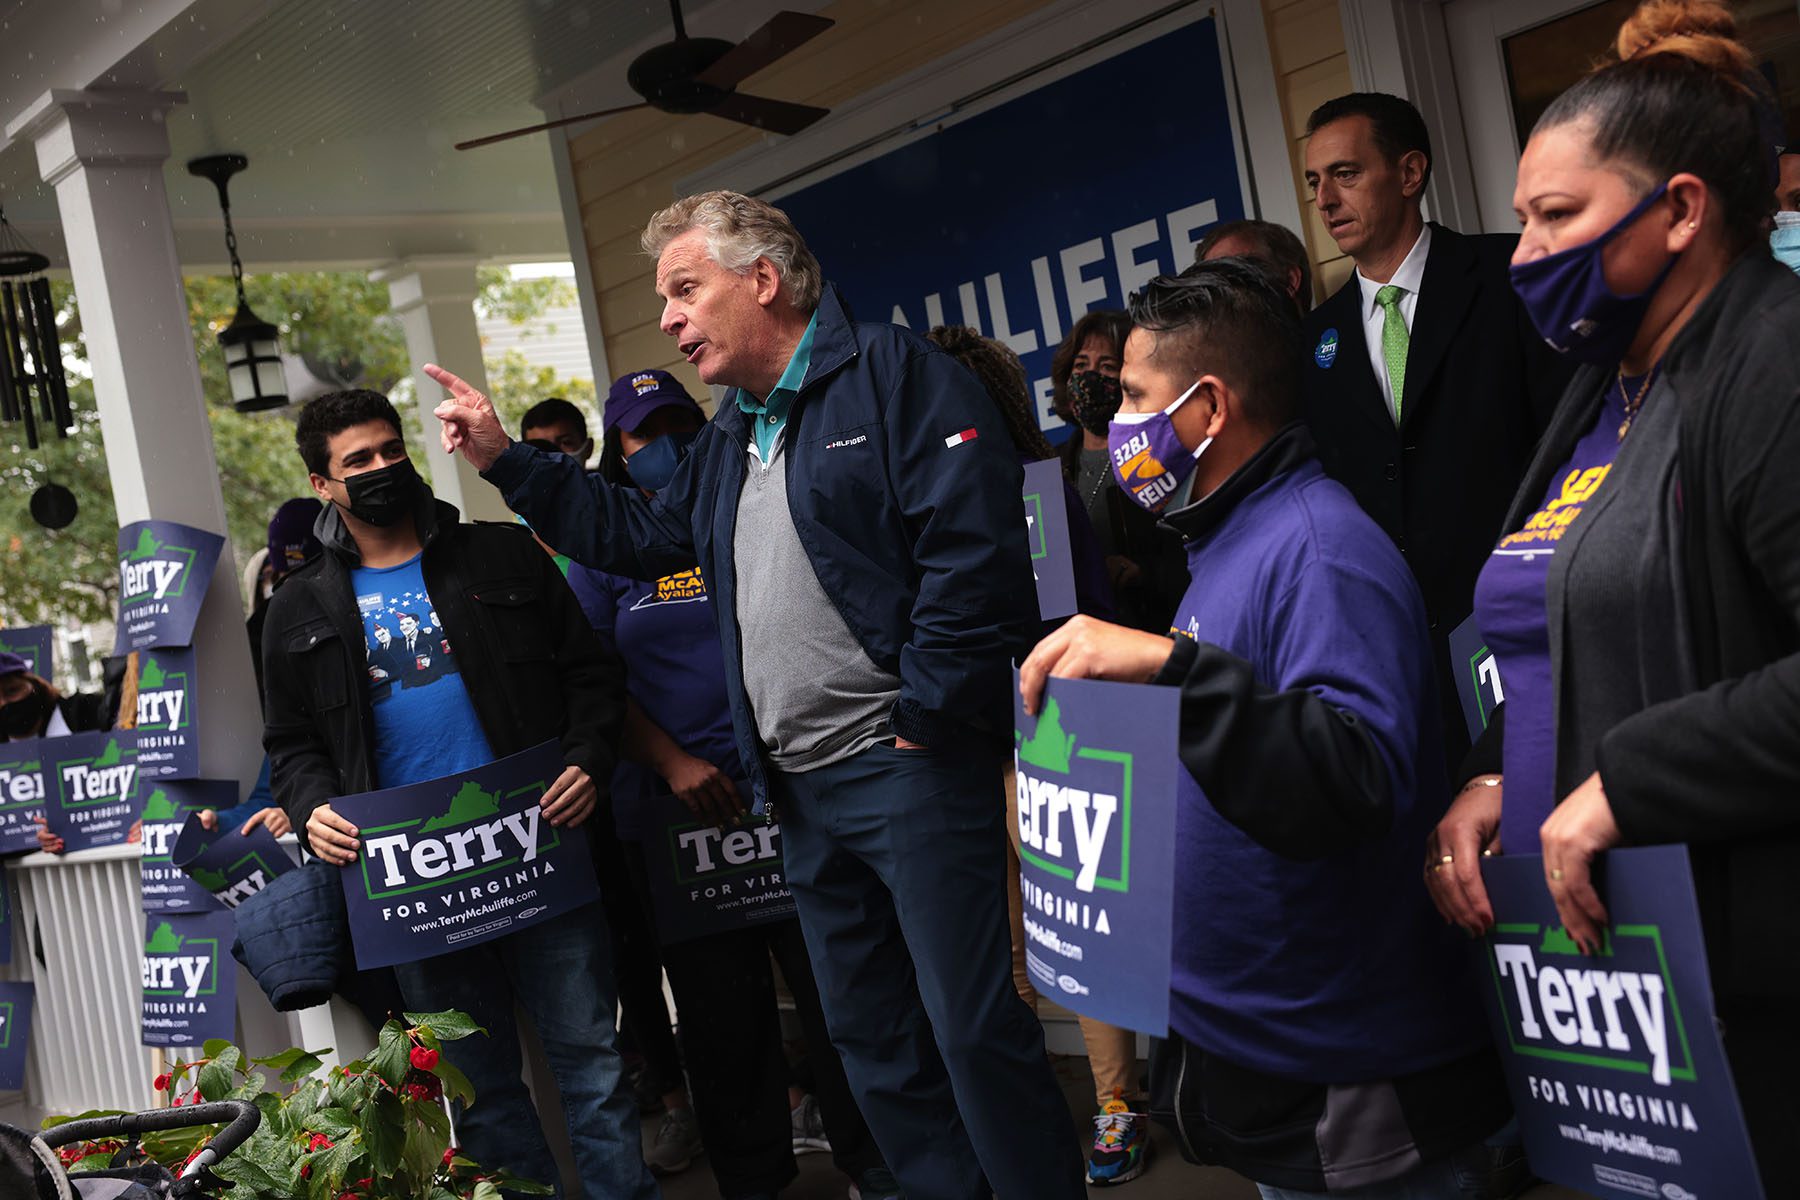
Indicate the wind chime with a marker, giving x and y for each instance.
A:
(30, 352)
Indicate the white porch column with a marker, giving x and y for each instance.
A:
(434, 297)
(103, 154)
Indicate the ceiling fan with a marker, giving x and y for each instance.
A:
(700, 75)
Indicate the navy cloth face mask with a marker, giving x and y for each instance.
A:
(654, 465)
(1567, 297)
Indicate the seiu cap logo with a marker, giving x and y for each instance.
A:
(1325, 353)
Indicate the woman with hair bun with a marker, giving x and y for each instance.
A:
(1644, 601)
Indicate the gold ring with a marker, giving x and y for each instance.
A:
(1487, 854)
(1556, 874)
(1446, 860)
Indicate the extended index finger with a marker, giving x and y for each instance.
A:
(454, 382)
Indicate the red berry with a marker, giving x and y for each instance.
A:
(424, 1058)
(162, 1083)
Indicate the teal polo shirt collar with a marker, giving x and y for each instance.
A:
(769, 417)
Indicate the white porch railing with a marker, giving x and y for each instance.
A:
(89, 920)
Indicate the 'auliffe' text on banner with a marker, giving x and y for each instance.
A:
(1614, 1059)
(462, 860)
(1096, 780)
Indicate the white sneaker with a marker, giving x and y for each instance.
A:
(809, 1128)
(677, 1143)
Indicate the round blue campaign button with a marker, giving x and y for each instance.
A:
(1325, 353)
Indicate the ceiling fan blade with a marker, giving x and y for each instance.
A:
(491, 138)
(783, 32)
(776, 116)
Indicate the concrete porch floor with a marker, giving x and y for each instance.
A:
(1168, 1178)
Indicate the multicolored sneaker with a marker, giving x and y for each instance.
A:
(1121, 1144)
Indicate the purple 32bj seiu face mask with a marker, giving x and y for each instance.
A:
(1148, 459)
(1567, 297)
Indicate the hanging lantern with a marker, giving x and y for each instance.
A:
(251, 345)
(32, 386)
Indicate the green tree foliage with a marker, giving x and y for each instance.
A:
(338, 322)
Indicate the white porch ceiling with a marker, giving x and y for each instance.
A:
(347, 109)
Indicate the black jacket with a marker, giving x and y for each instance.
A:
(1718, 765)
(1134, 532)
(528, 657)
(1480, 388)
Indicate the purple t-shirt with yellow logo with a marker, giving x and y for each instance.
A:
(1510, 609)
(666, 635)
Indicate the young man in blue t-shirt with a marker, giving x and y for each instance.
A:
(415, 647)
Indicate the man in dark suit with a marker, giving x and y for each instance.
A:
(1425, 385)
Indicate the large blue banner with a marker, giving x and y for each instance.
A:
(1047, 532)
(705, 879)
(461, 860)
(168, 726)
(168, 808)
(15, 1033)
(1020, 219)
(33, 643)
(23, 793)
(190, 978)
(1096, 786)
(1614, 1059)
(94, 781)
(164, 569)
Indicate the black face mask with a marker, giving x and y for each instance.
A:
(385, 496)
(24, 717)
(1093, 399)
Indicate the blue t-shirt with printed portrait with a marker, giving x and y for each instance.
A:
(425, 727)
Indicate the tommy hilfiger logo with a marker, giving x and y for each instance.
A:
(858, 440)
(957, 439)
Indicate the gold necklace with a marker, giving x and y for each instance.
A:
(1633, 403)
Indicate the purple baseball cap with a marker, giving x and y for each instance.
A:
(635, 396)
(291, 540)
(11, 664)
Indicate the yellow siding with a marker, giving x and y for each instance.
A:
(1306, 41)
(626, 168)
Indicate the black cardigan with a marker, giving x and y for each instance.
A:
(1719, 767)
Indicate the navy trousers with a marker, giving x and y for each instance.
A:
(897, 861)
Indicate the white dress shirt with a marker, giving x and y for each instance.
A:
(1407, 278)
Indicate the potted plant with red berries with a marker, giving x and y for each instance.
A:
(376, 1129)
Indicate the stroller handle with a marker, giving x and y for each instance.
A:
(240, 1118)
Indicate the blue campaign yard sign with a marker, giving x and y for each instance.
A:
(1614, 1059)
(706, 880)
(93, 780)
(1047, 532)
(189, 978)
(168, 806)
(164, 569)
(15, 1033)
(462, 860)
(168, 725)
(1096, 780)
(33, 643)
(228, 865)
(1477, 676)
(23, 792)
(994, 222)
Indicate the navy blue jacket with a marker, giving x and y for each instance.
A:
(916, 533)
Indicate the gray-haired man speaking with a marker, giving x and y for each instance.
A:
(855, 505)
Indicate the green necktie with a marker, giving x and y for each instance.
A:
(1394, 340)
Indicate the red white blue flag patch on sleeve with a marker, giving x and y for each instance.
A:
(957, 439)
